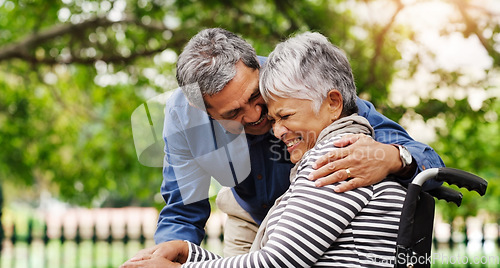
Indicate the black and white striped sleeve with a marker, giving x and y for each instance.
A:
(307, 225)
(198, 254)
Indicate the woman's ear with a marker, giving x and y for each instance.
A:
(335, 103)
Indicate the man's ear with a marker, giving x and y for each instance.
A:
(335, 103)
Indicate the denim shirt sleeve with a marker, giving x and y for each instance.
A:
(181, 220)
(389, 132)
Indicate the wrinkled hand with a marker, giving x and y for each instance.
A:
(145, 253)
(368, 161)
(154, 261)
(176, 251)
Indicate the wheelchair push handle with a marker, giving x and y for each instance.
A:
(463, 179)
(460, 178)
(447, 194)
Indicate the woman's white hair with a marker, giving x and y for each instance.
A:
(308, 66)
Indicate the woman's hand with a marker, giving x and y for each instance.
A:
(367, 161)
(173, 251)
(154, 261)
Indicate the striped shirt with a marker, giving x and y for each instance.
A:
(314, 226)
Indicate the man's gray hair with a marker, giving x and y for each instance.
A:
(208, 61)
(308, 66)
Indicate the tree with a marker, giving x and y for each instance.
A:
(74, 71)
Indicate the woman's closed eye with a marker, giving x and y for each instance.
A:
(279, 118)
(285, 117)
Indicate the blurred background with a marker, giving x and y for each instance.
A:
(72, 72)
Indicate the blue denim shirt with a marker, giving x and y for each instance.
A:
(198, 148)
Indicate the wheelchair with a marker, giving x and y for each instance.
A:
(414, 241)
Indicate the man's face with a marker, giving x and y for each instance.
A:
(239, 104)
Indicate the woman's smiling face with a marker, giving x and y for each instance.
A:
(297, 125)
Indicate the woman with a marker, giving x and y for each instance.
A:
(309, 88)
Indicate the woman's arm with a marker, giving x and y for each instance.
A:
(303, 227)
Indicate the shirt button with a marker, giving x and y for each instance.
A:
(259, 177)
(264, 206)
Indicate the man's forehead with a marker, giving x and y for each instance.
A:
(230, 106)
(238, 100)
(236, 92)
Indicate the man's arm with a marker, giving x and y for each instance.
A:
(179, 221)
(185, 184)
(369, 161)
(389, 132)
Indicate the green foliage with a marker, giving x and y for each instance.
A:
(469, 140)
(72, 72)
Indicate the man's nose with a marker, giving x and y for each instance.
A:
(253, 114)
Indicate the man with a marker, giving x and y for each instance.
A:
(218, 107)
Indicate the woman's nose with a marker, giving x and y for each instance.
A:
(279, 130)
